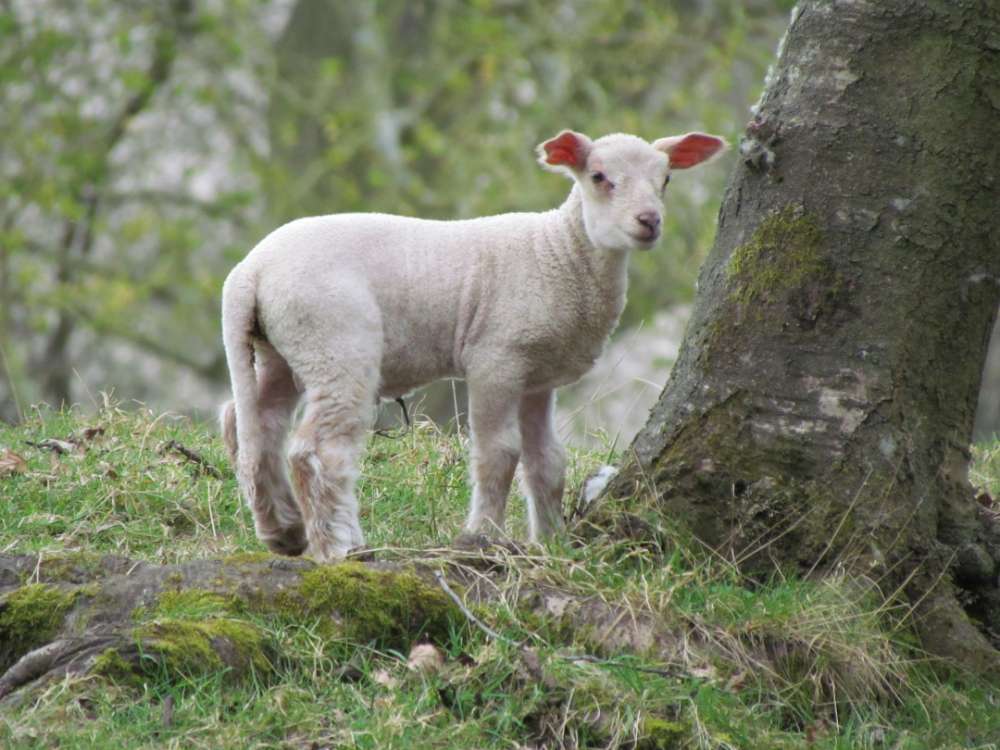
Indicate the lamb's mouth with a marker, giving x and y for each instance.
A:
(647, 239)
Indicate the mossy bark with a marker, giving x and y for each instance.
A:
(821, 408)
(123, 618)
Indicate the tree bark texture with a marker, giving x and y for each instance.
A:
(822, 405)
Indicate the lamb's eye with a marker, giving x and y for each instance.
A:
(666, 181)
(597, 178)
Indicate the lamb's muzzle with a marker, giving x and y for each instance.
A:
(331, 313)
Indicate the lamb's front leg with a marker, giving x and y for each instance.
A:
(496, 446)
(543, 463)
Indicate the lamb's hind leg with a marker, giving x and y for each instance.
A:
(339, 406)
(277, 520)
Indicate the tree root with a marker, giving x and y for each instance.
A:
(130, 619)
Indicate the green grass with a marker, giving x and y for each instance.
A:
(789, 664)
(985, 471)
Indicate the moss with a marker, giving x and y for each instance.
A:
(549, 627)
(72, 567)
(186, 647)
(391, 609)
(111, 665)
(782, 273)
(784, 254)
(660, 734)
(29, 617)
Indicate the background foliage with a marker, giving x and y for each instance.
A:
(148, 146)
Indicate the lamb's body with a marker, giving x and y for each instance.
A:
(520, 291)
(337, 311)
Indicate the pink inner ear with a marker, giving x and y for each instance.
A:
(694, 149)
(563, 149)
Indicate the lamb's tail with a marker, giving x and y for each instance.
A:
(240, 417)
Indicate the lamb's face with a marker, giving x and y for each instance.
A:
(623, 179)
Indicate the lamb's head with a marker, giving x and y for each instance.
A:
(622, 179)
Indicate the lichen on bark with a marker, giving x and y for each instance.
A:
(783, 255)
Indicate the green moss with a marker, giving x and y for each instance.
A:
(189, 604)
(186, 647)
(660, 734)
(71, 567)
(783, 264)
(784, 254)
(113, 666)
(551, 628)
(390, 608)
(174, 579)
(30, 616)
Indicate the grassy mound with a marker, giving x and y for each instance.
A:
(713, 660)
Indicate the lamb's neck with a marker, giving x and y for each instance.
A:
(571, 253)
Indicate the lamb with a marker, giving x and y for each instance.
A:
(332, 313)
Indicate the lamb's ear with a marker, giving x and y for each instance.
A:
(691, 149)
(566, 153)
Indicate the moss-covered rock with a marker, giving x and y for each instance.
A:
(389, 608)
(72, 567)
(29, 617)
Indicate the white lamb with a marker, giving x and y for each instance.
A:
(339, 311)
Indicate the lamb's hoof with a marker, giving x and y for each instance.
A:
(327, 550)
(469, 541)
(291, 542)
(361, 554)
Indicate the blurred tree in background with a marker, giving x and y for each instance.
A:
(120, 204)
(148, 146)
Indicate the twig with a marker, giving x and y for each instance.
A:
(56, 446)
(398, 433)
(591, 659)
(471, 617)
(194, 458)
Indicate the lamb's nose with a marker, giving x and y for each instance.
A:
(650, 220)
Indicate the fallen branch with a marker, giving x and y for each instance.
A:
(199, 461)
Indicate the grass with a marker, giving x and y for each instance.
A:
(788, 664)
(985, 471)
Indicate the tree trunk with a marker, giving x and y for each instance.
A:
(56, 360)
(821, 408)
